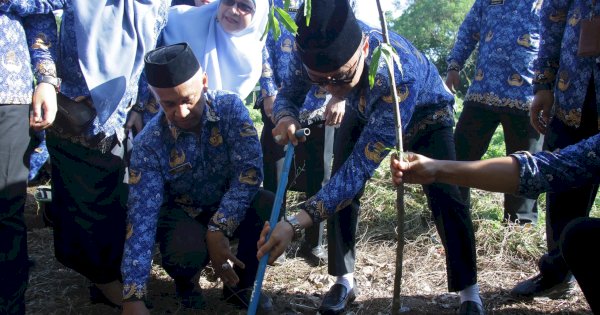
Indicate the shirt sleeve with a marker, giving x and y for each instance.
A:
(467, 38)
(246, 157)
(553, 18)
(28, 7)
(42, 40)
(573, 166)
(291, 97)
(374, 143)
(146, 193)
(268, 86)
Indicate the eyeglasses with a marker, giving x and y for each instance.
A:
(341, 79)
(242, 6)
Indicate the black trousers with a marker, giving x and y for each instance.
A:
(89, 199)
(474, 131)
(564, 207)
(307, 170)
(183, 247)
(575, 248)
(451, 214)
(14, 168)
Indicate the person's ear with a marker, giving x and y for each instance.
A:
(205, 81)
(366, 46)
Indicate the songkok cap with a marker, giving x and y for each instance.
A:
(170, 66)
(332, 36)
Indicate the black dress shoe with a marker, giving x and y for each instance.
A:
(336, 299)
(541, 285)
(470, 308)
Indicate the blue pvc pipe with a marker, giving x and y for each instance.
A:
(281, 187)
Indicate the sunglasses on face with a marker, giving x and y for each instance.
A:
(341, 79)
(243, 7)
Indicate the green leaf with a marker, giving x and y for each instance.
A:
(286, 20)
(307, 11)
(391, 56)
(374, 65)
(273, 21)
(286, 4)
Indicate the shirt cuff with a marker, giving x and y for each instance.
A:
(218, 222)
(453, 66)
(138, 108)
(134, 292)
(316, 210)
(282, 114)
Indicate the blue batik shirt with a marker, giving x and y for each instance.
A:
(27, 41)
(39, 155)
(573, 166)
(507, 32)
(280, 64)
(75, 87)
(220, 164)
(424, 102)
(558, 67)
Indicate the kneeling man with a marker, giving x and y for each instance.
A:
(194, 182)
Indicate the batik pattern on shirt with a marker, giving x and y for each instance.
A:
(571, 167)
(220, 165)
(281, 64)
(424, 101)
(558, 67)
(507, 36)
(27, 41)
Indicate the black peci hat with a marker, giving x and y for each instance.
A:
(332, 36)
(170, 66)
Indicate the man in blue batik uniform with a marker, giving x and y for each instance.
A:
(336, 52)
(27, 43)
(507, 34)
(529, 175)
(196, 169)
(565, 109)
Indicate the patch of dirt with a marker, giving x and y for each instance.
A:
(297, 287)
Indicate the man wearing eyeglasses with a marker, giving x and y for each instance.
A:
(336, 51)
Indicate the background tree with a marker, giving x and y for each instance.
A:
(432, 26)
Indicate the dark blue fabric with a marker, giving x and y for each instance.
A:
(563, 207)
(89, 205)
(574, 245)
(14, 266)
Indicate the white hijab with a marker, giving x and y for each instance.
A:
(232, 61)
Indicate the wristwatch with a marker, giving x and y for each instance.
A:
(54, 81)
(298, 229)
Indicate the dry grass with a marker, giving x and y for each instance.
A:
(506, 255)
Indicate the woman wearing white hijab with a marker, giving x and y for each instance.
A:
(226, 37)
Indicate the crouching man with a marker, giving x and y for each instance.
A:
(195, 174)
